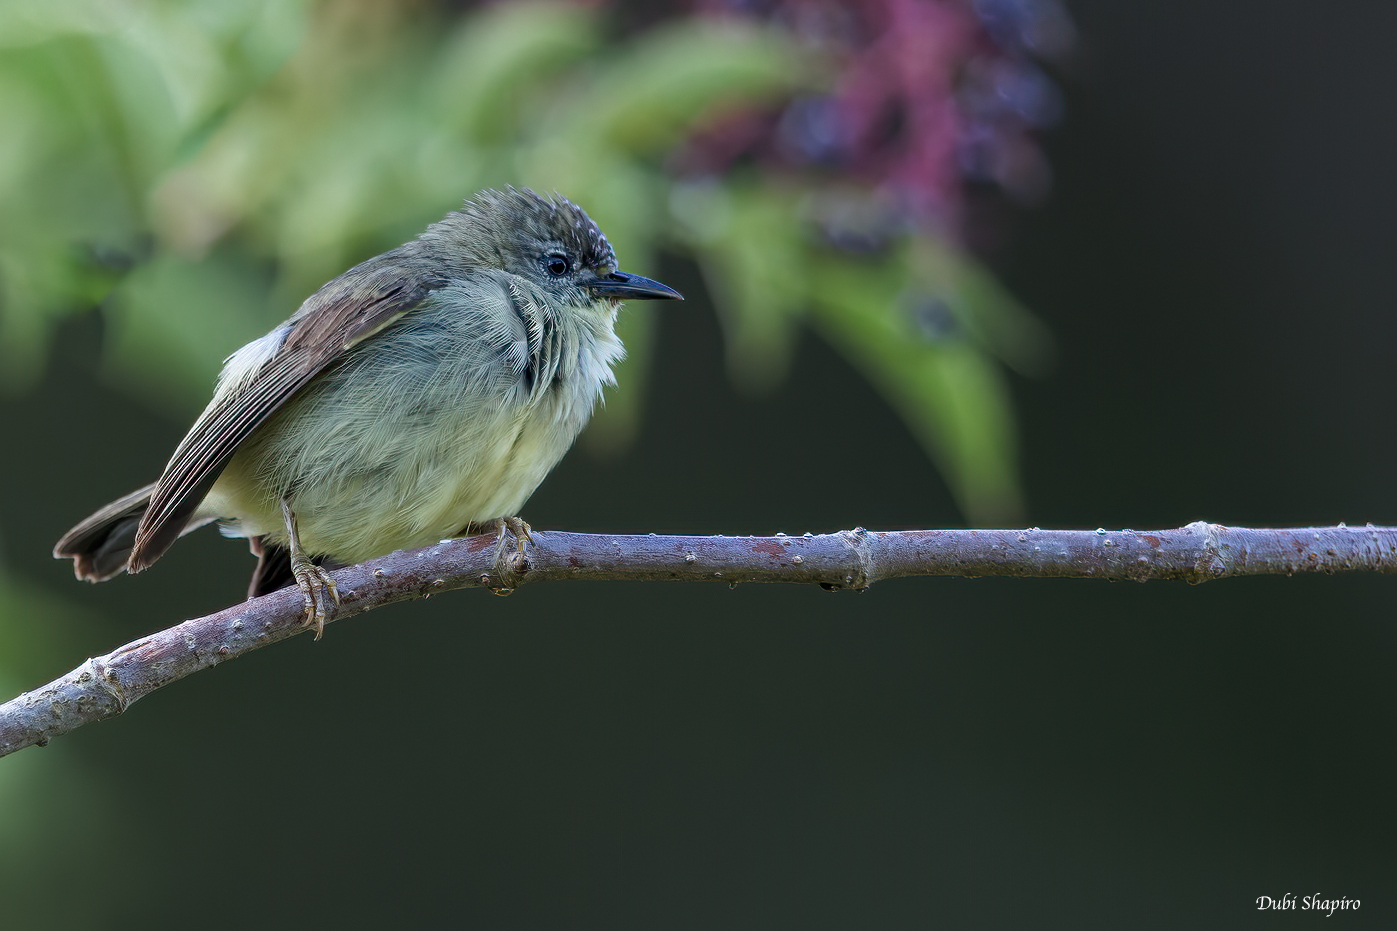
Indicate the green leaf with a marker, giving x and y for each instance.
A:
(189, 314)
(982, 305)
(647, 94)
(948, 393)
(494, 64)
(754, 255)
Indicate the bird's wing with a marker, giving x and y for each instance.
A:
(262, 377)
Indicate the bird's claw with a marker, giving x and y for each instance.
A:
(315, 582)
(521, 530)
(516, 526)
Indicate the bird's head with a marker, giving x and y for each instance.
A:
(549, 241)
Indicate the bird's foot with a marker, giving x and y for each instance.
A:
(318, 590)
(510, 525)
(314, 581)
(516, 526)
(507, 564)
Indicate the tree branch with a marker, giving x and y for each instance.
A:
(105, 686)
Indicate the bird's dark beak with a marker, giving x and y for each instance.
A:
(623, 287)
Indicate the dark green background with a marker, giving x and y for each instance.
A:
(1216, 262)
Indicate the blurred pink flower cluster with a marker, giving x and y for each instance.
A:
(925, 98)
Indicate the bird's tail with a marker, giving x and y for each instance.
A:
(100, 544)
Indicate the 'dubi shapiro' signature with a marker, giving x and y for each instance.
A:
(1307, 903)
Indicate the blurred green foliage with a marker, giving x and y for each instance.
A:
(196, 168)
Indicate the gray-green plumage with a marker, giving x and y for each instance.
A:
(422, 391)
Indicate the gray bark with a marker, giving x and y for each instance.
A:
(105, 686)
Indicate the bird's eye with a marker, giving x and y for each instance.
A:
(557, 264)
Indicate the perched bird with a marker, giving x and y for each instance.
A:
(423, 394)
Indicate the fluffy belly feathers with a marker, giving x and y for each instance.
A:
(417, 492)
(407, 445)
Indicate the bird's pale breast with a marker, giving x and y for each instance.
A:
(452, 416)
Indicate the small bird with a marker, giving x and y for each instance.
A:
(422, 394)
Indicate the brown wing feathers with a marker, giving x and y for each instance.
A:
(348, 310)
